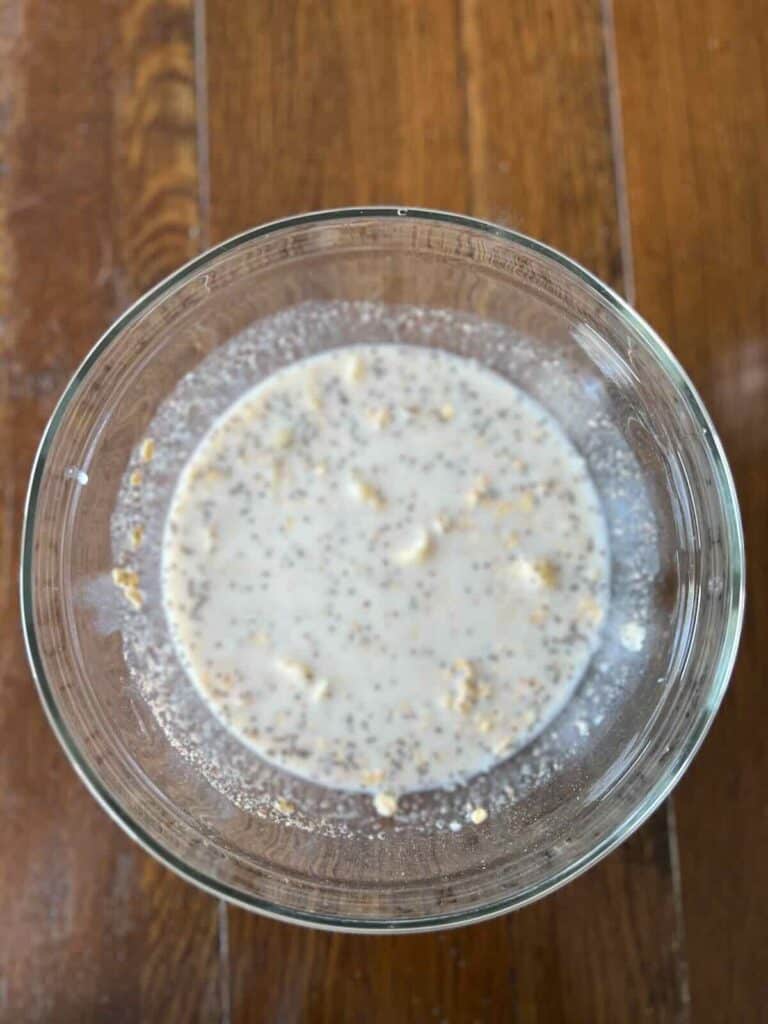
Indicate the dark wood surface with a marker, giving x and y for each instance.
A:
(99, 181)
(133, 133)
(694, 94)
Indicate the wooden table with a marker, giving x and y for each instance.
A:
(632, 135)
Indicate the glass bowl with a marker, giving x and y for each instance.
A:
(133, 725)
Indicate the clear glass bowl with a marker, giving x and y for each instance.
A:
(651, 691)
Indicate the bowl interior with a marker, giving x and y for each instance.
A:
(134, 725)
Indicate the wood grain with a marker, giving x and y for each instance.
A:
(99, 199)
(603, 950)
(515, 101)
(346, 103)
(695, 102)
(539, 126)
(499, 109)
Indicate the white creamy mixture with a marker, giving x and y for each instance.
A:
(385, 568)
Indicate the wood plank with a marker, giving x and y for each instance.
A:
(546, 166)
(515, 99)
(347, 103)
(695, 100)
(584, 954)
(539, 126)
(100, 199)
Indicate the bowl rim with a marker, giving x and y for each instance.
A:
(733, 590)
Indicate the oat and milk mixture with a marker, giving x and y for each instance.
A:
(385, 568)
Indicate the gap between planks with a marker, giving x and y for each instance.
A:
(618, 151)
(202, 126)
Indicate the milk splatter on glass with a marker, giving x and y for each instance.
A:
(385, 568)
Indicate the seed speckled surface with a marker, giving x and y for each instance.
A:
(385, 568)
